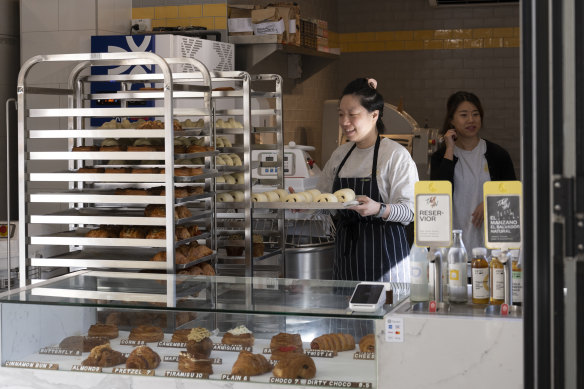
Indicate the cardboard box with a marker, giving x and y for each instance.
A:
(269, 14)
(240, 11)
(240, 26)
(291, 15)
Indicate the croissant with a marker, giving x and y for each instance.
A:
(248, 364)
(143, 357)
(334, 342)
(367, 343)
(296, 366)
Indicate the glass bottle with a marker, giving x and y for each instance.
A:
(497, 279)
(516, 278)
(480, 276)
(419, 274)
(457, 273)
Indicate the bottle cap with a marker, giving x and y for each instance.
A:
(479, 251)
(495, 253)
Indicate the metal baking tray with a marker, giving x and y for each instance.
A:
(67, 176)
(107, 197)
(115, 216)
(78, 238)
(122, 258)
(315, 206)
(198, 154)
(97, 155)
(94, 196)
(114, 133)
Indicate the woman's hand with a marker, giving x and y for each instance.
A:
(449, 138)
(478, 215)
(366, 207)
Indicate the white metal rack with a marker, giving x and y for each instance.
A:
(238, 222)
(85, 199)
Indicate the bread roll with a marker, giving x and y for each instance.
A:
(229, 179)
(282, 193)
(345, 195)
(307, 196)
(225, 198)
(259, 198)
(227, 159)
(220, 180)
(220, 161)
(219, 142)
(236, 159)
(238, 195)
(239, 178)
(327, 198)
(315, 193)
(226, 142)
(295, 198)
(272, 196)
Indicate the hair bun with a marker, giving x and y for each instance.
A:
(372, 83)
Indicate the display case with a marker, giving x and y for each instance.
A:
(37, 319)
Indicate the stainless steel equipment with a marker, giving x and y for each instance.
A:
(310, 247)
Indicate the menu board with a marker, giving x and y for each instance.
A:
(503, 218)
(433, 224)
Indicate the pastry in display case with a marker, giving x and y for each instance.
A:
(210, 334)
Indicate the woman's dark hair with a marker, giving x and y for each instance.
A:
(369, 98)
(452, 105)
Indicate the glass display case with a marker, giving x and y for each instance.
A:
(37, 320)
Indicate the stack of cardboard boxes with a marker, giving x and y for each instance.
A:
(281, 21)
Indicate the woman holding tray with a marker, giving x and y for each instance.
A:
(371, 240)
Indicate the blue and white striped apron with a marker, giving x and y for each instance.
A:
(368, 248)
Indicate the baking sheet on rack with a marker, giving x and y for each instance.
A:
(300, 206)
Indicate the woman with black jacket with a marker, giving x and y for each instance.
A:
(468, 161)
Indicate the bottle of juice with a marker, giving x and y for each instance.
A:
(497, 279)
(480, 276)
(516, 278)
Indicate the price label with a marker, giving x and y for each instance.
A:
(503, 220)
(433, 224)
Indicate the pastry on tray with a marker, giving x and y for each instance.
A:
(82, 343)
(199, 345)
(198, 251)
(238, 335)
(91, 170)
(107, 330)
(192, 271)
(143, 357)
(180, 336)
(151, 125)
(132, 233)
(147, 333)
(146, 170)
(131, 192)
(367, 344)
(207, 268)
(283, 345)
(248, 364)
(188, 363)
(99, 233)
(296, 366)
(118, 170)
(104, 356)
(333, 342)
(86, 148)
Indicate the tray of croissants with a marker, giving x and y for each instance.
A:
(310, 199)
(199, 353)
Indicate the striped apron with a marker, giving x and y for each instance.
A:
(368, 248)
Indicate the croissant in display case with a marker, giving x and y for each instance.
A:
(239, 335)
(367, 344)
(104, 356)
(334, 342)
(143, 357)
(248, 364)
(295, 366)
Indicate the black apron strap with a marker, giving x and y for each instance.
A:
(375, 153)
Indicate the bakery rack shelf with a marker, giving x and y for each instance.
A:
(80, 129)
(234, 204)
